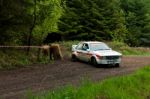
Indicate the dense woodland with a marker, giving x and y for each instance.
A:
(28, 22)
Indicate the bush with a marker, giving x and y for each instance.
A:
(15, 58)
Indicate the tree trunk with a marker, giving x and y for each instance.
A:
(31, 29)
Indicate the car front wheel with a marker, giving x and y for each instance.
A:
(93, 61)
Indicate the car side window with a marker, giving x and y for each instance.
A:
(85, 46)
(79, 47)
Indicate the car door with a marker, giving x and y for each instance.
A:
(79, 51)
(84, 52)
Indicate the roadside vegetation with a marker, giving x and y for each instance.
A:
(25, 23)
(127, 50)
(115, 45)
(17, 58)
(133, 86)
(123, 24)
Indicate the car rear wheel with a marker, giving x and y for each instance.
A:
(117, 65)
(93, 61)
(73, 58)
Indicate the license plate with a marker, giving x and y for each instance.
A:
(110, 62)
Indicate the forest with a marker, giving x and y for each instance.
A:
(28, 22)
(34, 32)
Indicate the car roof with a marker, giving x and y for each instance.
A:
(91, 42)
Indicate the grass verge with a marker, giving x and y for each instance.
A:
(126, 50)
(133, 86)
(17, 58)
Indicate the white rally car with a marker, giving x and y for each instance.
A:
(95, 53)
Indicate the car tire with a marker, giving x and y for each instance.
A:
(117, 65)
(74, 58)
(93, 61)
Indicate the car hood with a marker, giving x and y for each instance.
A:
(107, 53)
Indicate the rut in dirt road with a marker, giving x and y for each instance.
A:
(15, 83)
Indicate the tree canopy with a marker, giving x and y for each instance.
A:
(25, 22)
(21, 20)
(121, 20)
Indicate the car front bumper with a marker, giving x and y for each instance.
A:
(106, 61)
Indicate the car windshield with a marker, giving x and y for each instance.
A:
(98, 46)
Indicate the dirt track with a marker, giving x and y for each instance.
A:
(15, 83)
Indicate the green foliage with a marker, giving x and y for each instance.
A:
(29, 21)
(126, 50)
(137, 21)
(93, 20)
(50, 12)
(135, 51)
(21, 20)
(17, 58)
(14, 58)
(117, 20)
(134, 86)
(67, 44)
(13, 20)
(117, 45)
(66, 47)
(10, 60)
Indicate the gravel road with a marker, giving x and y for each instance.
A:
(14, 84)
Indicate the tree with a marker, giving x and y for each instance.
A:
(93, 20)
(48, 18)
(22, 20)
(137, 21)
(13, 19)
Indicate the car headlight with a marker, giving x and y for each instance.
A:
(99, 57)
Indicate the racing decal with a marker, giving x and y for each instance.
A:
(89, 55)
(79, 52)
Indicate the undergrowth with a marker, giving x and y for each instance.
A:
(11, 59)
(126, 50)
